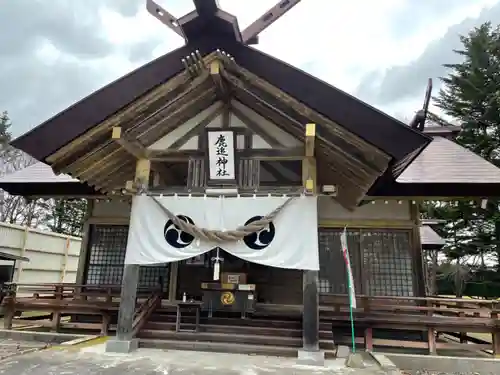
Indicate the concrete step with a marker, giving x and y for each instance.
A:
(221, 347)
(222, 338)
(235, 329)
(249, 322)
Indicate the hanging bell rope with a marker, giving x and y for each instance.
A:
(219, 236)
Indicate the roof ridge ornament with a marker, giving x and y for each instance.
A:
(210, 8)
(418, 121)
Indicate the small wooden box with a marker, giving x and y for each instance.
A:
(234, 278)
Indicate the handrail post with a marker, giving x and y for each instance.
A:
(495, 335)
(9, 304)
(56, 314)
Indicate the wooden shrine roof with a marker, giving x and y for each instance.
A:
(429, 238)
(445, 161)
(40, 180)
(345, 159)
(37, 172)
(359, 149)
(352, 114)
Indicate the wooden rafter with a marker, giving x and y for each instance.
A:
(356, 173)
(153, 102)
(104, 155)
(215, 68)
(310, 140)
(164, 17)
(157, 97)
(212, 115)
(102, 179)
(226, 115)
(361, 171)
(138, 151)
(125, 173)
(309, 161)
(275, 172)
(98, 144)
(117, 179)
(258, 130)
(176, 120)
(273, 154)
(349, 192)
(267, 19)
(133, 147)
(150, 132)
(246, 79)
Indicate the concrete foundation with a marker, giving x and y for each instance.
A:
(311, 358)
(355, 360)
(121, 346)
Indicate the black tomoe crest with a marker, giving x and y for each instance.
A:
(174, 236)
(261, 239)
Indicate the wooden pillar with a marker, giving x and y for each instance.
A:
(84, 248)
(23, 252)
(125, 341)
(418, 266)
(127, 302)
(172, 283)
(495, 335)
(310, 352)
(310, 317)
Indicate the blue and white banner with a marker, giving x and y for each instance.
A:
(289, 241)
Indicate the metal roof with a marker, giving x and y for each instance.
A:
(444, 161)
(428, 237)
(7, 256)
(38, 172)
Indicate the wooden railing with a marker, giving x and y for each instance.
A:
(431, 315)
(144, 311)
(59, 299)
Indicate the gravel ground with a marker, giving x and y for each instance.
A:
(10, 348)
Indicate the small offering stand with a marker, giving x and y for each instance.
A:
(233, 294)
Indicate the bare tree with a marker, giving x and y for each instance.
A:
(16, 209)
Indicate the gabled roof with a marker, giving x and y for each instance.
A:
(443, 169)
(429, 238)
(357, 117)
(39, 180)
(12, 257)
(445, 161)
(38, 172)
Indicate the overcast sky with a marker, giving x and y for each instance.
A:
(53, 53)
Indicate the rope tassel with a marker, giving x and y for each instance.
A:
(220, 236)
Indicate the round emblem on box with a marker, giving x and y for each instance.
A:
(227, 298)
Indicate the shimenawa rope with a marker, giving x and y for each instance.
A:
(220, 236)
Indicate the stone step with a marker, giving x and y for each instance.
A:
(250, 321)
(224, 347)
(222, 337)
(220, 347)
(235, 329)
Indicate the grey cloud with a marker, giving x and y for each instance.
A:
(32, 90)
(413, 15)
(405, 82)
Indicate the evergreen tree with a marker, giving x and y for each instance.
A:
(5, 134)
(471, 96)
(67, 216)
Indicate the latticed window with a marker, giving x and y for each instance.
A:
(106, 259)
(332, 273)
(387, 263)
(381, 262)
